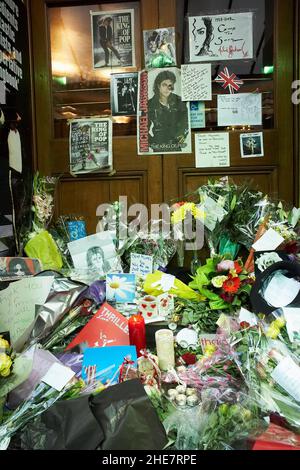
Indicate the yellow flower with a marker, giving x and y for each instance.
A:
(233, 273)
(4, 345)
(273, 332)
(209, 350)
(198, 213)
(5, 365)
(178, 216)
(279, 323)
(219, 281)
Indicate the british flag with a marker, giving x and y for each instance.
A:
(230, 81)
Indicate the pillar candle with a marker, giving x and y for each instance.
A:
(165, 349)
(137, 333)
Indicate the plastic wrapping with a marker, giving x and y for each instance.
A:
(43, 247)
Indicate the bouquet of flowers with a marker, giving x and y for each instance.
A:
(225, 284)
(39, 242)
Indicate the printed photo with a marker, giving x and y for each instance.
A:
(221, 37)
(90, 145)
(123, 92)
(17, 268)
(113, 38)
(159, 48)
(95, 253)
(163, 118)
(120, 288)
(252, 145)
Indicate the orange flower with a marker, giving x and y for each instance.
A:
(232, 285)
(238, 268)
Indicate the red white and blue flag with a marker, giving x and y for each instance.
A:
(230, 81)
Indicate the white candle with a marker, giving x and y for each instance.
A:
(165, 349)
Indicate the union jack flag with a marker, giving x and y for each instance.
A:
(229, 81)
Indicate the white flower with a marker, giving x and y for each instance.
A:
(118, 286)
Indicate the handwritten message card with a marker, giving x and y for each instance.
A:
(212, 150)
(221, 37)
(141, 264)
(196, 82)
(243, 109)
(18, 303)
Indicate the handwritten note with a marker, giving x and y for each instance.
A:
(197, 114)
(242, 109)
(141, 264)
(196, 82)
(17, 306)
(212, 150)
(269, 241)
(221, 37)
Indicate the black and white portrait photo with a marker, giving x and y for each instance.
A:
(124, 90)
(113, 39)
(95, 253)
(252, 145)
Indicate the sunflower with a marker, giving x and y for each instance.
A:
(232, 285)
(119, 287)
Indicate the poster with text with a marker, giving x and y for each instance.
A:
(113, 38)
(163, 118)
(221, 37)
(90, 145)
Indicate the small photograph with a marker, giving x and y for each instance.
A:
(113, 38)
(123, 92)
(252, 145)
(95, 253)
(17, 268)
(159, 48)
(120, 288)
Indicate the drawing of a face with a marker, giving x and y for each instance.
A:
(202, 31)
(19, 270)
(152, 46)
(97, 261)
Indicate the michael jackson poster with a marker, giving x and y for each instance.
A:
(163, 118)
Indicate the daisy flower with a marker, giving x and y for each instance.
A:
(232, 285)
(119, 287)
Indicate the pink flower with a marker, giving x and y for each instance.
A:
(225, 266)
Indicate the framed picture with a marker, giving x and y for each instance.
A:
(252, 145)
(123, 92)
(159, 48)
(113, 41)
(163, 118)
(90, 145)
(221, 37)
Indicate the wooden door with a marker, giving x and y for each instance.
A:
(140, 179)
(274, 173)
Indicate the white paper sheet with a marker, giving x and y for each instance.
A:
(281, 290)
(15, 150)
(242, 109)
(248, 317)
(269, 241)
(212, 150)
(196, 82)
(292, 317)
(287, 375)
(58, 376)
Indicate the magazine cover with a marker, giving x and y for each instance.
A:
(123, 92)
(163, 118)
(113, 38)
(18, 268)
(90, 145)
(106, 328)
(159, 48)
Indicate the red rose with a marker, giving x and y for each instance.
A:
(190, 359)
